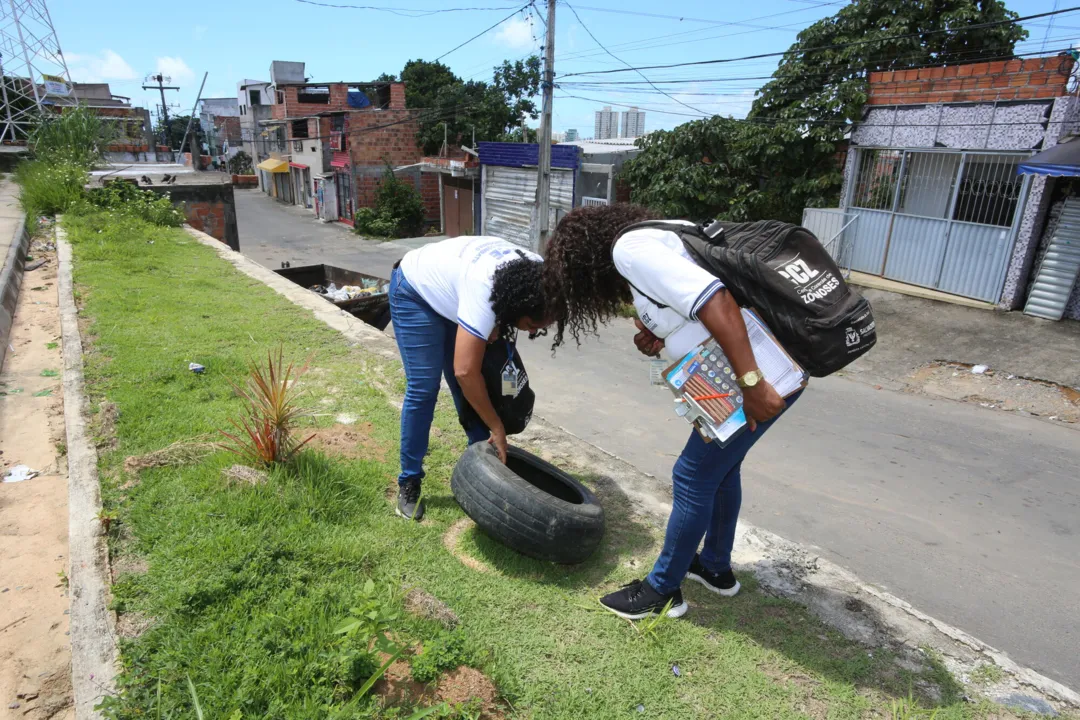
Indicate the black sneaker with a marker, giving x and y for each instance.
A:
(409, 504)
(639, 600)
(723, 583)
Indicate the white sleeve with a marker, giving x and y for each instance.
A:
(474, 311)
(664, 275)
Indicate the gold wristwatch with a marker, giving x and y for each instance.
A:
(750, 379)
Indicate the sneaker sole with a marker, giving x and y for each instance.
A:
(676, 611)
(403, 516)
(729, 592)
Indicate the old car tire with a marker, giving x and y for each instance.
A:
(528, 505)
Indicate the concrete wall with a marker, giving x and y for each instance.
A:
(210, 208)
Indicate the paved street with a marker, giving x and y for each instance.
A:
(971, 515)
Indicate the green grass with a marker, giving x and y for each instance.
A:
(246, 584)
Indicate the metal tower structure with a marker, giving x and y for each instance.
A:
(32, 67)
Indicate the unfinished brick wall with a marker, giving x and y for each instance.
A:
(384, 136)
(210, 208)
(338, 101)
(429, 190)
(973, 82)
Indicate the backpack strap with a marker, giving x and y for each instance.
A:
(675, 227)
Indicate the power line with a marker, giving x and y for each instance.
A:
(705, 80)
(483, 32)
(836, 46)
(403, 12)
(586, 27)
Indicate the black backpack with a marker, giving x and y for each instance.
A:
(783, 272)
(515, 411)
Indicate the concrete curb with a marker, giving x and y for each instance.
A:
(11, 282)
(858, 610)
(93, 636)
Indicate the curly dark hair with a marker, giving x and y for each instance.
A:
(517, 291)
(582, 285)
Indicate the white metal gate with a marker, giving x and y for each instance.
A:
(938, 218)
(508, 202)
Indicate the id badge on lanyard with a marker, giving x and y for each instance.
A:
(511, 375)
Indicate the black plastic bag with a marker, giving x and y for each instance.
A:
(513, 402)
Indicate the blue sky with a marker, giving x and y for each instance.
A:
(237, 39)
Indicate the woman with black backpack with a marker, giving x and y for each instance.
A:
(448, 301)
(590, 272)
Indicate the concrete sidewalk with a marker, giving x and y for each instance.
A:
(13, 246)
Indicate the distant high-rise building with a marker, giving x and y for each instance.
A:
(633, 123)
(607, 124)
(571, 135)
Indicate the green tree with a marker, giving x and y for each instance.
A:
(177, 125)
(783, 157)
(830, 85)
(495, 110)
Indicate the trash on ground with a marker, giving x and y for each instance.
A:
(43, 393)
(35, 265)
(50, 373)
(675, 671)
(19, 473)
(370, 286)
(979, 369)
(196, 368)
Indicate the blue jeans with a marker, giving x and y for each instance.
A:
(707, 497)
(426, 342)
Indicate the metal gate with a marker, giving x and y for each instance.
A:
(937, 218)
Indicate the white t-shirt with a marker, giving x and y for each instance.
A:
(455, 277)
(658, 265)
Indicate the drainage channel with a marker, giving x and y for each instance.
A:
(363, 296)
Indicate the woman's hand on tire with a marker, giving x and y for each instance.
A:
(498, 439)
(762, 403)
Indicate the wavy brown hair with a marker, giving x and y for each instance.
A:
(582, 286)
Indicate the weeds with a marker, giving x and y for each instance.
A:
(126, 198)
(77, 136)
(49, 188)
(266, 430)
(443, 652)
(107, 518)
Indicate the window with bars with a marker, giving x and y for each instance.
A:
(981, 188)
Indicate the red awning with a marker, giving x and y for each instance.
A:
(298, 166)
(341, 159)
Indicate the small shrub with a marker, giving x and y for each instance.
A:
(240, 164)
(49, 188)
(128, 199)
(267, 427)
(77, 136)
(398, 210)
(444, 652)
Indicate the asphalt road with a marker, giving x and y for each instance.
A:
(969, 514)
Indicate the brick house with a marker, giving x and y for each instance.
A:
(339, 138)
(933, 193)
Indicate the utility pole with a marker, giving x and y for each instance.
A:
(162, 87)
(543, 173)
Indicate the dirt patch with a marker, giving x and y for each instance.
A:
(450, 542)
(466, 686)
(351, 441)
(396, 687)
(423, 604)
(244, 475)
(806, 701)
(128, 564)
(35, 656)
(105, 424)
(183, 452)
(133, 624)
(999, 391)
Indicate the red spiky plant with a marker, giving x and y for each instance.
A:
(266, 430)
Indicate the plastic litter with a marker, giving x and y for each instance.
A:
(641, 708)
(35, 265)
(979, 369)
(675, 671)
(196, 368)
(19, 473)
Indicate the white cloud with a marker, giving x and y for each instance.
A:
(175, 68)
(517, 34)
(199, 31)
(102, 67)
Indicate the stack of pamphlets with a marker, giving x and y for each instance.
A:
(704, 383)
